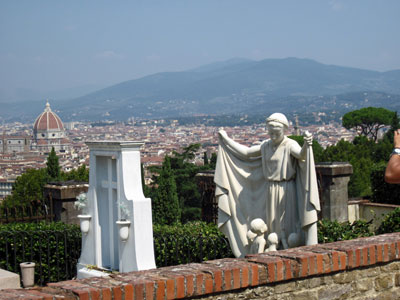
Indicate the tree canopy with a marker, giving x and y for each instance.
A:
(183, 172)
(367, 121)
(362, 154)
(81, 174)
(28, 187)
(317, 148)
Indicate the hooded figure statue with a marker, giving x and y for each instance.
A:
(274, 181)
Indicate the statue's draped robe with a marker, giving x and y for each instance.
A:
(275, 187)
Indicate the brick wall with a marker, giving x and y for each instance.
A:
(366, 268)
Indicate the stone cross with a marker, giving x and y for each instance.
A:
(120, 233)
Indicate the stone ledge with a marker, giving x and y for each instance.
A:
(224, 275)
(9, 280)
(334, 169)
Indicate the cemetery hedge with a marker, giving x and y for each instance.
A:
(54, 247)
(391, 222)
(332, 231)
(186, 243)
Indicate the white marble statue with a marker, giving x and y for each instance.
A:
(274, 181)
(256, 236)
(273, 242)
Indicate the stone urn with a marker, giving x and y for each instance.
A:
(27, 274)
(123, 229)
(84, 223)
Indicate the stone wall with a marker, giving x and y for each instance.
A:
(366, 268)
(380, 282)
(367, 210)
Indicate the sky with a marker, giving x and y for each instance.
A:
(49, 45)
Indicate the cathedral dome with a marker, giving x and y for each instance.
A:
(48, 121)
(49, 132)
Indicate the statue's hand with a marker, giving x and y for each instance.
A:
(308, 138)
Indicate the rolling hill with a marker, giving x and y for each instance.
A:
(233, 86)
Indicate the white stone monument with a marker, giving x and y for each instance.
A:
(117, 232)
(274, 181)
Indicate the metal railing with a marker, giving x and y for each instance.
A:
(56, 253)
(32, 212)
(175, 250)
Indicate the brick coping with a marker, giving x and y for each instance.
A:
(223, 275)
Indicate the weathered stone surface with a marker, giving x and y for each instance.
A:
(363, 285)
(309, 283)
(285, 287)
(335, 178)
(335, 169)
(389, 295)
(305, 295)
(397, 279)
(327, 280)
(335, 292)
(363, 297)
(370, 272)
(383, 282)
(391, 267)
(345, 277)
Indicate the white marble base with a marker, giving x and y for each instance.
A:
(85, 272)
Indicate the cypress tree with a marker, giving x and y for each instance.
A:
(205, 159)
(166, 208)
(53, 167)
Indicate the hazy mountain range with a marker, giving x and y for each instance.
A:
(233, 86)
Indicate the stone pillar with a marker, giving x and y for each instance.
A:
(62, 196)
(334, 178)
(209, 204)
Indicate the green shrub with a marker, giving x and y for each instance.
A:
(56, 247)
(391, 222)
(53, 247)
(332, 231)
(383, 192)
(191, 242)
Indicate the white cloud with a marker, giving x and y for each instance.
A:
(108, 54)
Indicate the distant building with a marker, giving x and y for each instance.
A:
(48, 132)
(5, 187)
(12, 144)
